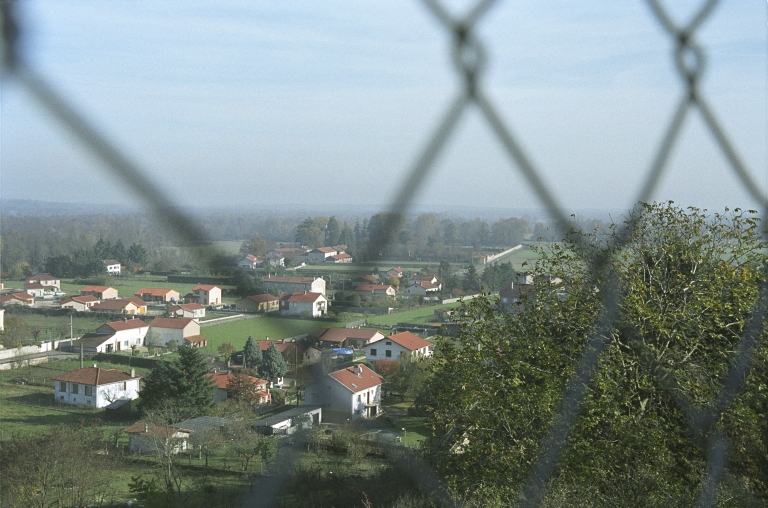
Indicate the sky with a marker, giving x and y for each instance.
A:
(330, 103)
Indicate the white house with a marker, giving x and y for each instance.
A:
(112, 266)
(35, 289)
(314, 303)
(355, 391)
(164, 330)
(46, 280)
(128, 332)
(250, 262)
(294, 284)
(79, 303)
(346, 337)
(205, 294)
(321, 253)
(154, 439)
(375, 289)
(397, 345)
(190, 310)
(96, 387)
(422, 288)
(100, 292)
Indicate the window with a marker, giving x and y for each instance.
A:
(62, 386)
(89, 391)
(74, 388)
(124, 386)
(389, 343)
(373, 352)
(388, 353)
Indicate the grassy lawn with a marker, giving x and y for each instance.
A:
(422, 315)
(54, 326)
(260, 327)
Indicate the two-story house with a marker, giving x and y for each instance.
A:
(355, 391)
(96, 387)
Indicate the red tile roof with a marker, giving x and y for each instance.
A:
(303, 296)
(204, 287)
(339, 335)
(155, 430)
(95, 376)
(110, 261)
(169, 322)
(154, 291)
(127, 324)
(195, 339)
(351, 381)
(34, 285)
(409, 341)
(17, 296)
(41, 276)
(95, 289)
(80, 299)
(221, 379)
(118, 304)
(281, 346)
(325, 250)
(396, 269)
(372, 287)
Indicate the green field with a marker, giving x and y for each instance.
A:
(260, 327)
(422, 315)
(54, 327)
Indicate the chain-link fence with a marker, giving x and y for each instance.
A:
(469, 58)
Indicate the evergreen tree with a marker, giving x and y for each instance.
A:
(273, 365)
(332, 232)
(182, 380)
(252, 353)
(471, 282)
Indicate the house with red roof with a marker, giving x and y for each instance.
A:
(354, 391)
(293, 352)
(397, 272)
(191, 310)
(164, 330)
(315, 304)
(340, 258)
(18, 299)
(221, 381)
(157, 295)
(96, 387)
(346, 337)
(403, 344)
(250, 262)
(375, 290)
(258, 303)
(422, 288)
(126, 333)
(46, 280)
(320, 254)
(36, 289)
(79, 303)
(132, 305)
(100, 292)
(205, 294)
(290, 284)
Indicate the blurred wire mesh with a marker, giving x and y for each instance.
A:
(469, 58)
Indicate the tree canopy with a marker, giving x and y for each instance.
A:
(687, 285)
(182, 380)
(252, 353)
(273, 364)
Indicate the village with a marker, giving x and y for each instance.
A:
(275, 364)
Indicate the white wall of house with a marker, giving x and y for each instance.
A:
(316, 308)
(113, 269)
(390, 350)
(96, 396)
(339, 398)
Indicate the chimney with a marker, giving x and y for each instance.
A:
(133, 372)
(358, 370)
